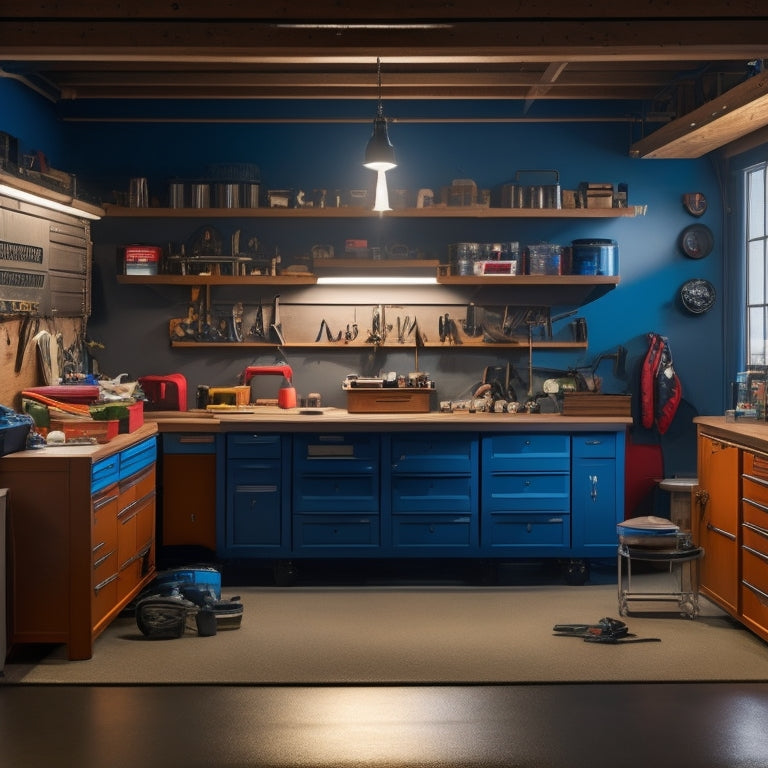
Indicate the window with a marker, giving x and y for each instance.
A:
(756, 179)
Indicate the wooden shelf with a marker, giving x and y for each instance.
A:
(553, 281)
(29, 187)
(324, 345)
(297, 279)
(434, 212)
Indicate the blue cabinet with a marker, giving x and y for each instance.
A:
(336, 494)
(597, 493)
(526, 494)
(256, 522)
(431, 489)
(513, 494)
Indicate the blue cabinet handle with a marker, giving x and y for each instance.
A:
(593, 483)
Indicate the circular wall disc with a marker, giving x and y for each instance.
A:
(697, 296)
(697, 241)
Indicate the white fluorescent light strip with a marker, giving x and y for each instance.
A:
(28, 197)
(386, 27)
(377, 280)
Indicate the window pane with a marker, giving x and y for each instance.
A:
(755, 252)
(756, 290)
(756, 336)
(756, 203)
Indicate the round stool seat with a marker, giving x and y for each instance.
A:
(678, 484)
(662, 555)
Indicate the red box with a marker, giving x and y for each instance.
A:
(135, 418)
(142, 259)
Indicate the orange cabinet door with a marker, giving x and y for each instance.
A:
(716, 520)
(189, 500)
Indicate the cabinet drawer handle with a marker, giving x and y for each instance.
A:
(715, 529)
(756, 529)
(593, 487)
(103, 559)
(104, 583)
(102, 501)
(762, 596)
(256, 489)
(133, 509)
(196, 440)
(593, 442)
(136, 479)
(760, 555)
(754, 503)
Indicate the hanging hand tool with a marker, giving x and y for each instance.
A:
(378, 330)
(257, 329)
(328, 332)
(405, 328)
(351, 335)
(275, 327)
(25, 331)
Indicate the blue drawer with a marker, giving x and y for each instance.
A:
(528, 491)
(432, 494)
(433, 453)
(594, 445)
(335, 453)
(336, 493)
(432, 531)
(137, 457)
(189, 442)
(528, 532)
(246, 445)
(105, 472)
(331, 532)
(526, 452)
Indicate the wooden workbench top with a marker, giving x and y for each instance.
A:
(312, 419)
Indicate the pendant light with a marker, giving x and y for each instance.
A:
(380, 154)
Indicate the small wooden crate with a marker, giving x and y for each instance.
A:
(73, 429)
(595, 404)
(389, 400)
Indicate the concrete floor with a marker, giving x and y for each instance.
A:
(693, 725)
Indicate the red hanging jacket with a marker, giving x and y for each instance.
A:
(660, 387)
(648, 371)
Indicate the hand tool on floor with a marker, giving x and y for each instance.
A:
(607, 630)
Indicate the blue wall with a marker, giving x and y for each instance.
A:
(132, 322)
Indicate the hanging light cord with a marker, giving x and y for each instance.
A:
(380, 107)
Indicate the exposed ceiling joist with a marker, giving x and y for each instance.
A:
(672, 56)
(734, 114)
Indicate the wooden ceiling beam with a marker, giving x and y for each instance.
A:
(739, 111)
(345, 10)
(556, 40)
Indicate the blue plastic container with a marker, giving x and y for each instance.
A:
(594, 257)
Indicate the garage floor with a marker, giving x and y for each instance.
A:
(557, 726)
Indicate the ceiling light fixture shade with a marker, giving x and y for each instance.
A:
(379, 153)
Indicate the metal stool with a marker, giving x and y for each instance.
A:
(685, 559)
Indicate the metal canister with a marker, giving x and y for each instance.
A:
(176, 197)
(228, 195)
(595, 256)
(200, 195)
(250, 195)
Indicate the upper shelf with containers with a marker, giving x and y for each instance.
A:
(533, 194)
(431, 212)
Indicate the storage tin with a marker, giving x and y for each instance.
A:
(544, 259)
(595, 257)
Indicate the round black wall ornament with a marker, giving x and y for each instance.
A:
(697, 241)
(697, 296)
